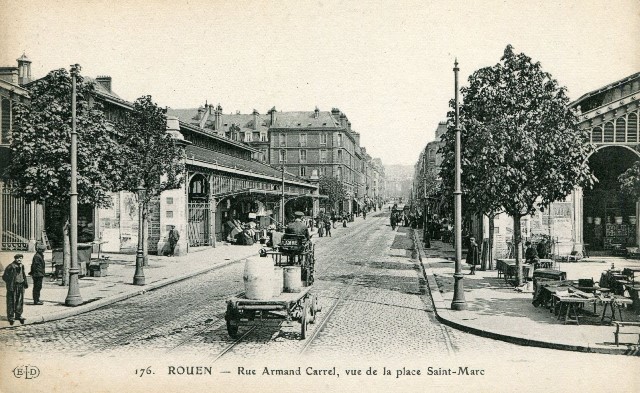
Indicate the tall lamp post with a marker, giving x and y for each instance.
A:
(282, 198)
(73, 295)
(458, 302)
(138, 277)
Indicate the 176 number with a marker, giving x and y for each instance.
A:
(142, 371)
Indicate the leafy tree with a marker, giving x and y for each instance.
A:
(522, 145)
(154, 157)
(333, 188)
(40, 167)
(630, 181)
(479, 182)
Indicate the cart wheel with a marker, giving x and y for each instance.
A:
(232, 323)
(304, 320)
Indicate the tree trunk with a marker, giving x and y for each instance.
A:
(518, 250)
(492, 229)
(66, 251)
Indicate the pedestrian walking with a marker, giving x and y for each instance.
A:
(364, 214)
(393, 221)
(37, 273)
(16, 282)
(473, 255)
(174, 236)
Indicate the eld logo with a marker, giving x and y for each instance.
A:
(26, 372)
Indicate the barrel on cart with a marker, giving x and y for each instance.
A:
(297, 305)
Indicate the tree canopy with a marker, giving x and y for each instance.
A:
(40, 166)
(154, 156)
(521, 145)
(333, 188)
(630, 181)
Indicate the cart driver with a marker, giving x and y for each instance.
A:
(297, 227)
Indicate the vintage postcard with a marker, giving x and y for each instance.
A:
(279, 196)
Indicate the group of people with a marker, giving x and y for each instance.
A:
(242, 233)
(533, 255)
(15, 279)
(324, 224)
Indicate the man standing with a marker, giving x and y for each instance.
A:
(16, 280)
(37, 272)
(174, 236)
(541, 248)
(473, 255)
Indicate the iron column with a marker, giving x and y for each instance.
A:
(458, 302)
(282, 199)
(73, 295)
(138, 277)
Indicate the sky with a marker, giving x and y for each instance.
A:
(386, 64)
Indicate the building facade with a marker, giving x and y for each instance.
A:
(21, 223)
(307, 144)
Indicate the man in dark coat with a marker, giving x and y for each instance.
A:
(297, 227)
(541, 248)
(473, 255)
(174, 236)
(16, 280)
(37, 273)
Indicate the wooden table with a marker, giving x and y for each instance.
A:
(631, 273)
(613, 303)
(507, 269)
(571, 303)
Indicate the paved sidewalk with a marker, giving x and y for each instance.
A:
(97, 292)
(497, 310)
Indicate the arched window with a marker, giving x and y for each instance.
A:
(632, 127)
(596, 135)
(620, 129)
(608, 132)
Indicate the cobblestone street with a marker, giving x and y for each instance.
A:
(374, 299)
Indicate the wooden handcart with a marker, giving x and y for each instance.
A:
(286, 308)
(280, 310)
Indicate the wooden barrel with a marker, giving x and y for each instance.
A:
(278, 280)
(292, 279)
(258, 278)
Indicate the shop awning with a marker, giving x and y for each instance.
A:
(258, 191)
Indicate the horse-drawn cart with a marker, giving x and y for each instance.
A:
(298, 305)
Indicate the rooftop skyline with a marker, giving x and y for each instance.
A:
(387, 66)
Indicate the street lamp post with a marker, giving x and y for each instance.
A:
(282, 198)
(73, 295)
(458, 302)
(138, 277)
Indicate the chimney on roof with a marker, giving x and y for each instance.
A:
(255, 119)
(104, 81)
(24, 69)
(272, 112)
(217, 119)
(343, 120)
(316, 113)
